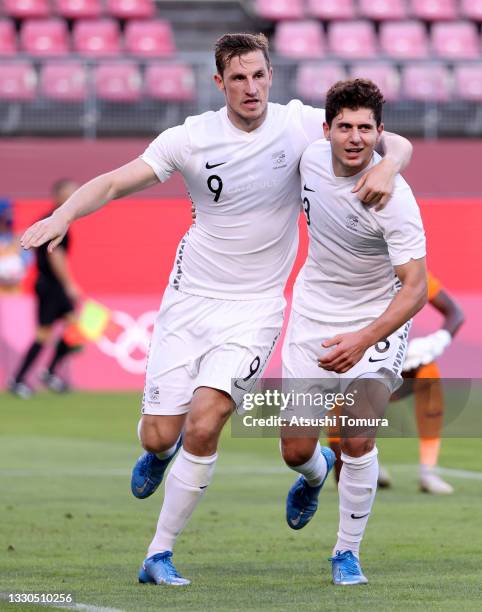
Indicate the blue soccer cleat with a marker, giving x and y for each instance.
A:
(302, 500)
(346, 570)
(148, 473)
(159, 569)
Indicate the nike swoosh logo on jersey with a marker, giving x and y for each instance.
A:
(209, 166)
(371, 360)
(353, 516)
(305, 188)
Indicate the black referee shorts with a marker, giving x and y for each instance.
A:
(53, 303)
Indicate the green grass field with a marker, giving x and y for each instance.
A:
(69, 523)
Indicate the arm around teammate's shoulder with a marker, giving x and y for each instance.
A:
(132, 177)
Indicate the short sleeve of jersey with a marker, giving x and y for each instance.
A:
(434, 286)
(402, 226)
(168, 152)
(312, 121)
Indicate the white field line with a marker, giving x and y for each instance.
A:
(224, 471)
(66, 606)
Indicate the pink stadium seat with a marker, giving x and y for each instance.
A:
(78, 9)
(426, 82)
(280, 9)
(331, 9)
(170, 82)
(299, 39)
(8, 38)
(45, 37)
(18, 81)
(468, 81)
(22, 9)
(314, 80)
(65, 81)
(383, 74)
(433, 10)
(457, 40)
(149, 38)
(382, 10)
(131, 9)
(352, 39)
(404, 39)
(96, 37)
(471, 9)
(118, 82)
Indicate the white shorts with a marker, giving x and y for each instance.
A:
(302, 349)
(206, 342)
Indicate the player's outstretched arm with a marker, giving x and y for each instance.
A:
(376, 186)
(349, 348)
(132, 177)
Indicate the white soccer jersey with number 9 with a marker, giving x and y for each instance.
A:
(246, 189)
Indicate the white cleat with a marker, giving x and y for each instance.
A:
(431, 482)
(384, 478)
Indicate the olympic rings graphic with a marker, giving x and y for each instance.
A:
(131, 347)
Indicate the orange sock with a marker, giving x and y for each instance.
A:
(429, 451)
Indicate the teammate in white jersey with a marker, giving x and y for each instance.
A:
(363, 280)
(222, 311)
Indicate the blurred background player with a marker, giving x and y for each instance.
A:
(13, 259)
(56, 294)
(422, 379)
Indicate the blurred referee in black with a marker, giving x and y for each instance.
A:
(56, 294)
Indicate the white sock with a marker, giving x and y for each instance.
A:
(185, 485)
(356, 489)
(314, 470)
(169, 452)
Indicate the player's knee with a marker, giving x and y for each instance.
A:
(202, 433)
(153, 439)
(43, 334)
(296, 451)
(357, 447)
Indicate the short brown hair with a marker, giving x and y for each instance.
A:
(234, 45)
(354, 94)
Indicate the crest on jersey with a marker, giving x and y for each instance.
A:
(351, 222)
(279, 160)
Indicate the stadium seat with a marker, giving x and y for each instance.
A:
(131, 9)
(468, 81)
(426, 82)
(65, 81)
(8, 38)
(456, 40)
(404, 39)
(24, 9)
(433, 10)
(149, 38)
(276, 10)
(331, 9)
(352, 39)
(471, 9)
(96, 37)
(44, 37)
(18, 81)
(382, 10)
(118, 82)
(314, 80)
(78, 9)
(384, 74)
(170, 82)
(299, 39)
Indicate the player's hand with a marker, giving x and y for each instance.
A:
(376, 186)
(426, 349)
(52, 230)
(348, 350)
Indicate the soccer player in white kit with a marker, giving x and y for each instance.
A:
(363, 280)
(222, 311)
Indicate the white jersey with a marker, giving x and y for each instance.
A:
(245, 186)
(348, 274)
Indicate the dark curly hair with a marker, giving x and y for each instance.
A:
(354, 94)
(234, 45)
